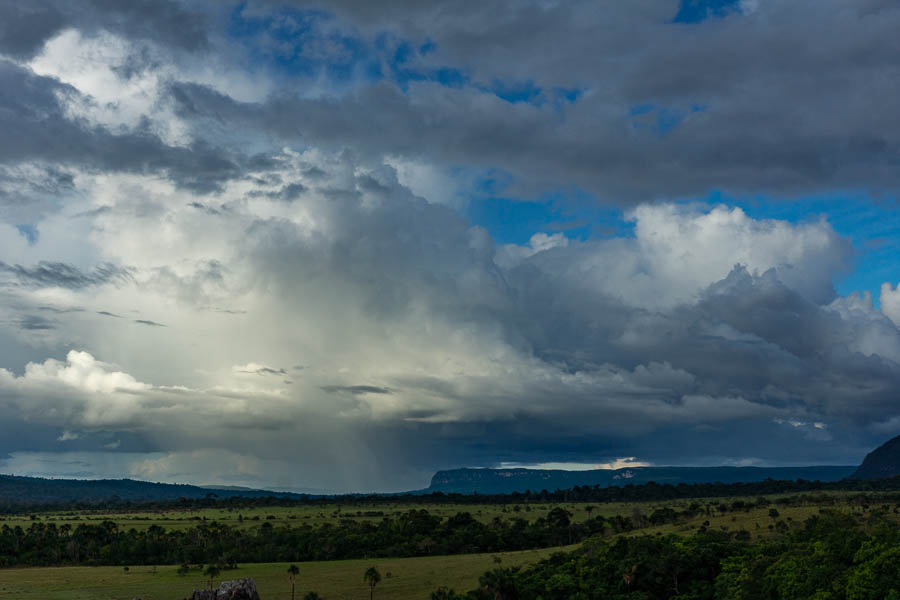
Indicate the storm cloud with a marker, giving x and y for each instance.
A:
(196, 195)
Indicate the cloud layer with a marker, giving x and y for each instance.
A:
(237, 236)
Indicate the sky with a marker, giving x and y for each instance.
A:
(339, 245)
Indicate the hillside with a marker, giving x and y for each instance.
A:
(501, 481)
(883, 461)
(35, 490)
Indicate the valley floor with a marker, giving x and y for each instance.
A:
(410, 578)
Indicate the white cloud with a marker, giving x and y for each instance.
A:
(890, 302)
(678, 251)
(409, 323)
(619, 463)
(510, 255)
(83, 373)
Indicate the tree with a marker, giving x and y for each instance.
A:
(293, 571)
(372, 577)
(499, 584)
(211, 572)
(312, 596)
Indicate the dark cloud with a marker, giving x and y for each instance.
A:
(36, 323)
(657, 114)
(287, 193)
(263, 371)
(356, 389)
(149, 323)
(207, 209)
(61, 311)
(33, 113)
(58, 274)
(26, 26)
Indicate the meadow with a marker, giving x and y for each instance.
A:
(791, 507)
(402, 578)
(757, 518)
(315, 515)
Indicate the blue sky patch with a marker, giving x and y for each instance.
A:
(30, 232)
(513, 220)
(696, 11)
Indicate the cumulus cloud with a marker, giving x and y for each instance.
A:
(179, 224)
(566, 347)
(890, 302)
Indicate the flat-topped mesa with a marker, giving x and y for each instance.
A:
(508, 480)
(237, 589)
(883, 461)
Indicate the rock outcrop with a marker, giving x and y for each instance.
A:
(238, 589)
(883, 461)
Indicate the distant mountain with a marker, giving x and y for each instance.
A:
(503, 481)
(35, 490)
(883, 461)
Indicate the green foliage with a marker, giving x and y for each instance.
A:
(831, 557)
(372, 576)
(413, 533)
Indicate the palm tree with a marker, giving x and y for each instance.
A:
(293, 571)
(372, 577)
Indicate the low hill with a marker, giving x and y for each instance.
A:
(883, 461)
(16, 490)
(504, 481)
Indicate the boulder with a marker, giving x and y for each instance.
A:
(237, 589)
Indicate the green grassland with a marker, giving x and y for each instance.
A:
(334, 513)
(409, 578)
(314, 515)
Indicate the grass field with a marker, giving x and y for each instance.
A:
(410, 578)
(250, 518)
(313, 515)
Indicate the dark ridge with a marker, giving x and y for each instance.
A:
(36, 490)
(883, 461)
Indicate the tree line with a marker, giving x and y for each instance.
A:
(413, 533)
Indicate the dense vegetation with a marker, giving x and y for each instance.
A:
(831, 556)
(414, 533)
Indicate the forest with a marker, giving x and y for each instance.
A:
(790, 540)
(831, 556)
